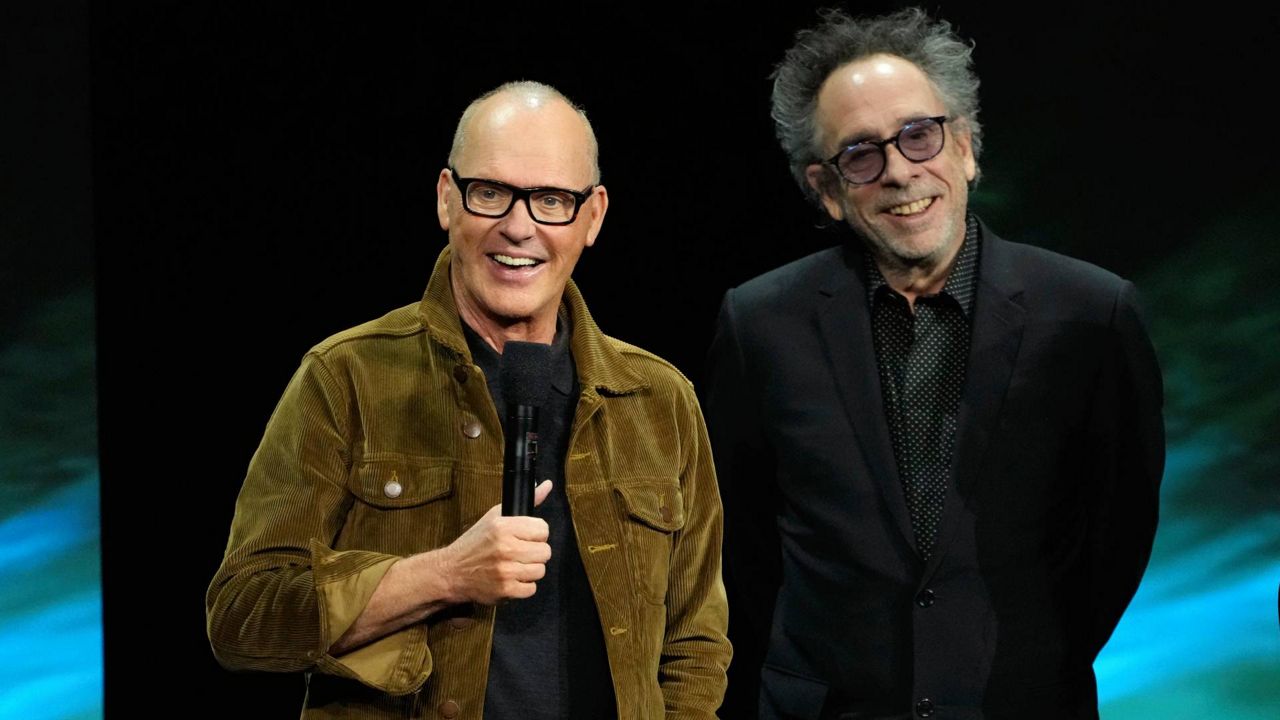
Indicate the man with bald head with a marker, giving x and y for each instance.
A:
(939, 451)
(368, 549)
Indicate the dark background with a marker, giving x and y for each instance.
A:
(263, 177)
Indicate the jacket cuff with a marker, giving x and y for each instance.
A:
(397, 664)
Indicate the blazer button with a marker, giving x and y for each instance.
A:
(924, 708)
(392, 489)
(461, 623)
(449, 709)
(925, 598)
(471, 429)
(460, 373)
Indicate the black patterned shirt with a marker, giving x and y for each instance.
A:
(922, 358)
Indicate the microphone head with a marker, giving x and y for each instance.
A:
(526, 373)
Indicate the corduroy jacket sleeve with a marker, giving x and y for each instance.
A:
(696, 651)
(282, 596)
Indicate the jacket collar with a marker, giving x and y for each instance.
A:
(600, 365)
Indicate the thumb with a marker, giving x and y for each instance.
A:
(541, 492)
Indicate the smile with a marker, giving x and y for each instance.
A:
(911, 208)
(510, 261)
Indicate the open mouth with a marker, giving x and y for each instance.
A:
(911, 208)
(514, 262)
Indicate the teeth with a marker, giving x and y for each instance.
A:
(514, 261)
(911, 208)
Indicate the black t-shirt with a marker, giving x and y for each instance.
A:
(548, 658)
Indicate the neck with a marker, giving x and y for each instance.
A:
(914, 279)
(497, 334)
(498, 331)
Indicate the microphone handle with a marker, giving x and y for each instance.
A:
(520, 460)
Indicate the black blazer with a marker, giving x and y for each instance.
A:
(1046, 529)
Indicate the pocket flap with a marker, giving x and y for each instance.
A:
(399, 484)
(658, 504)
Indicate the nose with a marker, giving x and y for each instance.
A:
(518, 225)
(898, 170)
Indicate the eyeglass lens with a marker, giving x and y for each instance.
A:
(495, 201)
(918, 141)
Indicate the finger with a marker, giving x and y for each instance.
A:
(531, 552)
(524, 572)
(528, 528)
(533, 572)
(541, 492)
(522, 590)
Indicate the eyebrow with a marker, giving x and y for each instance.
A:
(855, 138)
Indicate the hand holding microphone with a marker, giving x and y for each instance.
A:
(503, 556)
(499, 557)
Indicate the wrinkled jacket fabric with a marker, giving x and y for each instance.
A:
(386, 443)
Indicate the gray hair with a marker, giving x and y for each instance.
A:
(839, 39)
(528, 90)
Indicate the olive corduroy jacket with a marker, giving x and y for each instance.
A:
(386, 443)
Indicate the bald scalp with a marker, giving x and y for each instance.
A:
(498, 106)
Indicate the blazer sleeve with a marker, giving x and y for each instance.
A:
(746, 468)
(1128, 420)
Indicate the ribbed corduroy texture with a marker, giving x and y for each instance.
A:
(373, 454)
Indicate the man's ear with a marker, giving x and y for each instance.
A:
(964, 142)
(820, 180)
(597, 206)
(443, 186)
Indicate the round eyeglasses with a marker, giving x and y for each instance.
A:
(864, 162)
(494, 199)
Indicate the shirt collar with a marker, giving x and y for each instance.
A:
(962, 281)
(561, 359)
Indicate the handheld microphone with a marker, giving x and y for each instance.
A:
(525, 377)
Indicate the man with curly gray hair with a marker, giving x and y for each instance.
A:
(939, 452)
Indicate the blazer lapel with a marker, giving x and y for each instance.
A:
(998, 322)
(844, 325)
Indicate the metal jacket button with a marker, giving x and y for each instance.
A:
(392, 489)
(471, 429)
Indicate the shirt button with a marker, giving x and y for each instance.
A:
(461, 623)
(460, 373)
(925, 598)
(924, 708)
(449, 709)
(471, 429)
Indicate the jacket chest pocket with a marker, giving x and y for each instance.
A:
(401, 507)
(653, 514)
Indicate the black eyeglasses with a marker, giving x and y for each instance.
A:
(494, 199)
(864, 162)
